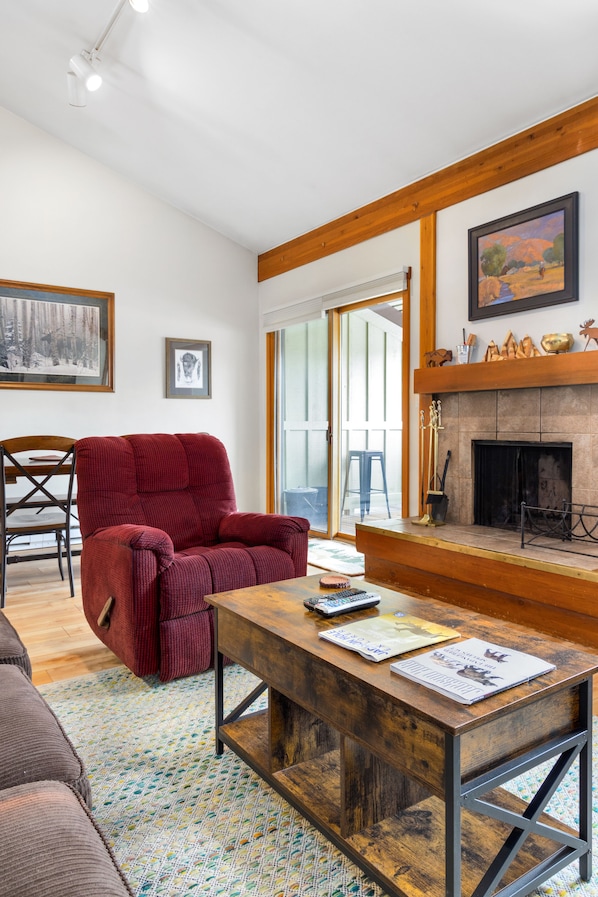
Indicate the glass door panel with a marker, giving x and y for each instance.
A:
(371, 414)
(303, 423)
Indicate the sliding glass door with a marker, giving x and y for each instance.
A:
(338, 418)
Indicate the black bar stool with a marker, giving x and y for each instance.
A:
(364, 459)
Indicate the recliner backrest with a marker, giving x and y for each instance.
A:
(179, 483)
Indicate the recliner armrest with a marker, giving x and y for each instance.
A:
(139, 538)
(121, 566)
(277, 530)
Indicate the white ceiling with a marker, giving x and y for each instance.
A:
(267, 118)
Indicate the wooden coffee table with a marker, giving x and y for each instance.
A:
(408, 783)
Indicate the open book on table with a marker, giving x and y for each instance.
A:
(384, 636)
(471, 670)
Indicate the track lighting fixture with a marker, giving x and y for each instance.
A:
(81, 75)
(82, 67)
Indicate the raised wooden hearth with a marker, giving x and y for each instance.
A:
(486, 570)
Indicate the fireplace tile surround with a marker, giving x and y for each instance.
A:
(539, 414)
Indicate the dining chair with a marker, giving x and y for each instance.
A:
(41, 463)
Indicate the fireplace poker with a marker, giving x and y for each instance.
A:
(434, 495)
(422, 429)
(426, 519)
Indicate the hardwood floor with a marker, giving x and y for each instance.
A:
(51, 624)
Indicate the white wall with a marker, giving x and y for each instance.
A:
(70, 222)
(401, 247)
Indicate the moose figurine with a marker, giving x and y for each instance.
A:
(590, 333)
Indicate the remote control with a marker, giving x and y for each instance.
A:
(310, 603)
(342, 602)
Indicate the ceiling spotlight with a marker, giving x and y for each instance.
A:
(76, 90)
(84, 70)
(81, 69)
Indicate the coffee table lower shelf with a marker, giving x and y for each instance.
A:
(403, 852)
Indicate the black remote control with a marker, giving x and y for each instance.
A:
(342, 602)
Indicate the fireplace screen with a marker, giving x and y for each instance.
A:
(508, 473)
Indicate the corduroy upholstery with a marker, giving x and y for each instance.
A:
(33, 744)
(12, 649)
(160, 531)
(52, 847)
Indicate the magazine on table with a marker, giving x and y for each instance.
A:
(471, 670)
(387, 635)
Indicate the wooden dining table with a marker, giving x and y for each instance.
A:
(41, 468)
(36, 468)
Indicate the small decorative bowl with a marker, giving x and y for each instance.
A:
(557, 342)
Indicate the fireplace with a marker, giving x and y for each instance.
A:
(507, 473)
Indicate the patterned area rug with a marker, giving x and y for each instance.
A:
(183, 822)
(336, 556)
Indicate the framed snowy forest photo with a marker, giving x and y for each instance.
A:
(55, 337)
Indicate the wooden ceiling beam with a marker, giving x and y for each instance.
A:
(555, 140)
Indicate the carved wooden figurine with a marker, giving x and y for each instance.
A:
(438, 357)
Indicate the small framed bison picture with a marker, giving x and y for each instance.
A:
(524, 261)
(188, 369)
(55, 338)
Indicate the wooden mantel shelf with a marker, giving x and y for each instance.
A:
(567, 369)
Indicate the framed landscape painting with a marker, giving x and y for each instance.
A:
(527, 260)
(55, 338)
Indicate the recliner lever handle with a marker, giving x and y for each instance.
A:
(104, 618)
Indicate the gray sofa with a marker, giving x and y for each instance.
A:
(51, 844)
(12, 649)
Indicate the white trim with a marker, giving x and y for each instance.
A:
(308, 310)
(390, 283)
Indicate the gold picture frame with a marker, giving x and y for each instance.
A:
(56, 338)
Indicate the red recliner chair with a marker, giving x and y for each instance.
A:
(160, 530)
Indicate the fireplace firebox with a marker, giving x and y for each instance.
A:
(507, 473)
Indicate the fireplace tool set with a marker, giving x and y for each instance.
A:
(436, 499)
